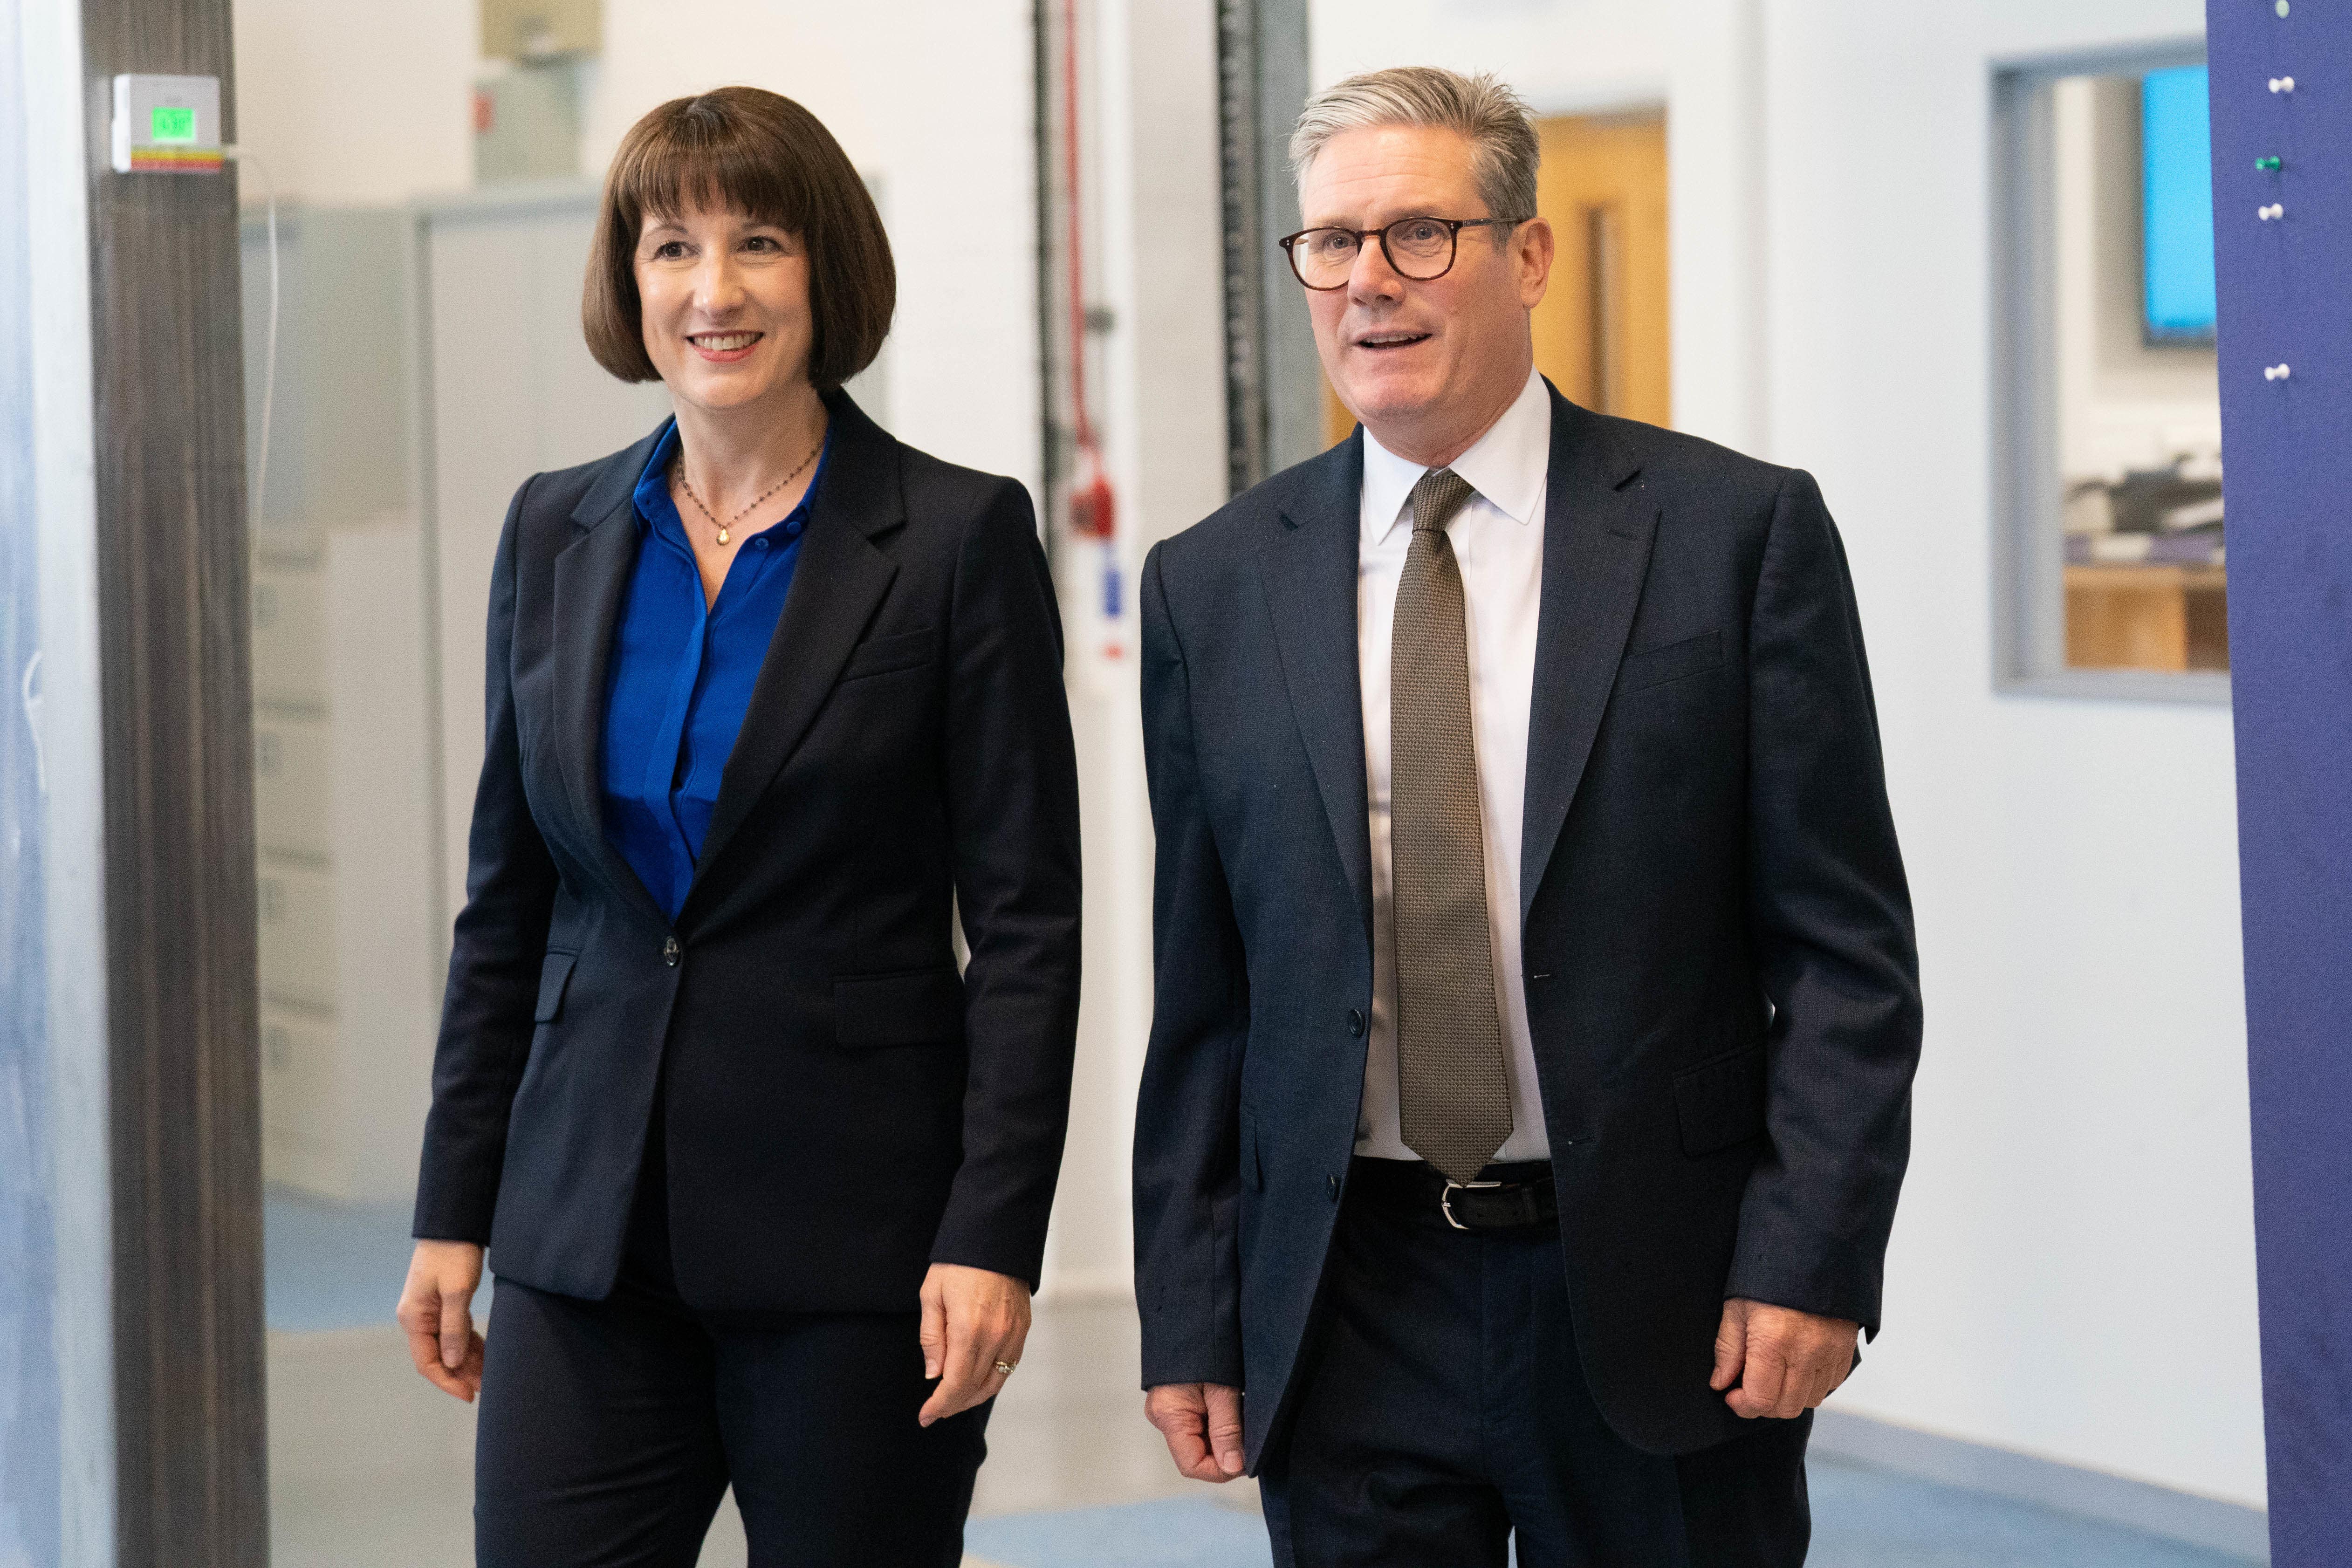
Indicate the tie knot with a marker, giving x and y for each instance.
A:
(1436, 498)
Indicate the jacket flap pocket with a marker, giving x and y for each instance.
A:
(1656, 666)
(554, 975)
(1721, 1103)
(924, 1006)
(882, 655)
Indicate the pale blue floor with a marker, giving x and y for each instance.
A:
(339, 1267)
(1861, 1520)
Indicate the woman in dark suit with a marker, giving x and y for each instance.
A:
(770, 697)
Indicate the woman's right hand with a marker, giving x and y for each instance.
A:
(435, 1310)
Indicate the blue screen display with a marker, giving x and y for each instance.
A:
(2176, 204)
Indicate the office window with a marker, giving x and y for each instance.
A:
(2109, 433)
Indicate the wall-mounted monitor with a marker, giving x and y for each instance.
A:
(2176, 206)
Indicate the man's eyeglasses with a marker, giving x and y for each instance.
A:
(1420, 249)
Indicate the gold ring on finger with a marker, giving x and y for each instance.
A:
(1008, 1368)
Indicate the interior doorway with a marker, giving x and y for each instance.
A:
(1601, 329)
(1601, 332)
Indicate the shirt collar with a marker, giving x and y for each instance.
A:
(1506, 467)
(652, 493)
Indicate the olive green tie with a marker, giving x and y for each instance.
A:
(1454, 1093)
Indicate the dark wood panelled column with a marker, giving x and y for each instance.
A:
(173, 625)
(1274, 381)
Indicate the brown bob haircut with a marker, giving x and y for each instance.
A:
(743, 150)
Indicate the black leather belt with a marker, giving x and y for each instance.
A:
(1505, 1197)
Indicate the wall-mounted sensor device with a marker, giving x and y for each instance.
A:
(167, 125)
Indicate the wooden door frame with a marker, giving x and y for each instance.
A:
(191, 1485)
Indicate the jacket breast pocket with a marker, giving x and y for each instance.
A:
(1647, 667)
(1720, 1103)
(887, 655)
(922, 1007)
(554, 979)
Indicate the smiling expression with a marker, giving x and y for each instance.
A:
(724, 303)
(1427, 366)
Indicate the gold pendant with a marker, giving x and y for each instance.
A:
(722, 533)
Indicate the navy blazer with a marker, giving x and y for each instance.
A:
(842, 1108)
(1721, 980)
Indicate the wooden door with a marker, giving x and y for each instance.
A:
(1601, 329)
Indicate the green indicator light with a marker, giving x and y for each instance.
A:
(172, 125)
(2267, 165)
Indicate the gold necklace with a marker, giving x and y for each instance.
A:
(679, 471)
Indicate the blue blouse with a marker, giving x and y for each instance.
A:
(680, 678)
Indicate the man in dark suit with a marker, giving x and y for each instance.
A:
(1528, 1086)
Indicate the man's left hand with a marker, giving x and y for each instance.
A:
(1776, 1361)
(973, 1320)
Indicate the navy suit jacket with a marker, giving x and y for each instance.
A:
(842, 1108)
(1721, 981)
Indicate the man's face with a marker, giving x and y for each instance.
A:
(1417, 358)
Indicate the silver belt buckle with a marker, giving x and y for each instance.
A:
(1445, 1198)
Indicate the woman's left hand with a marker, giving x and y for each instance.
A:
(973, 1320)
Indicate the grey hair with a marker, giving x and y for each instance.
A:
(1483, 109)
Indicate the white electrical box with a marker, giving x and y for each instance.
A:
(167, 125)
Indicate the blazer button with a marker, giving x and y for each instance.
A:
(669, 951)
(1332, 1185)
(1355, 1021)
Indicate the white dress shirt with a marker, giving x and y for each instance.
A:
(1498, 539)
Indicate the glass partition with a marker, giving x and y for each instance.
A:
(2117, 578)
(56, 1391)
(31, 1478)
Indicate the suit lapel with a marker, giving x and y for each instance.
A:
(591, 579)
(1309, 572)
(838, 580)
(1598, 529)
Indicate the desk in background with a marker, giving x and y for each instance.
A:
(2147, 617)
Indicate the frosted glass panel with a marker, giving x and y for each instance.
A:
(31, 1529)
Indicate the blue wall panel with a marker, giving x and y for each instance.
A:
(2286, 300)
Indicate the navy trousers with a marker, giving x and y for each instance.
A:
(609, 1430)
(1440, 1412)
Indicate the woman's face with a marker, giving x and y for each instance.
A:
(724, 300)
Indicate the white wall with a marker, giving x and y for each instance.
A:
(373, 106)
(357, 105)
(2073, 1267)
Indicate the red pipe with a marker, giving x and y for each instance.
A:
(1092, 507)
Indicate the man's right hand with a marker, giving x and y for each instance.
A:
(1202, 1424)
(434, 1308)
